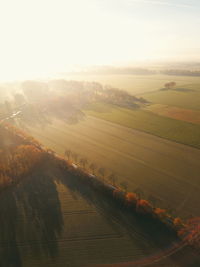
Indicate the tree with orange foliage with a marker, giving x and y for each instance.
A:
(160, 212)
(118, 194)
(143, 206)
(190, 232)
(178, 223)
(131, 198)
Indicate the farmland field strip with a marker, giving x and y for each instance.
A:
(167, 128)
(161, 183)
(187, 115)
(174, 98)
(90, 139)
(133, 133)
(124, 155)
(157, 182)
(98, 254)
(94, 238)
(80, 238)
(52, 141)
(143, 135)
(61, 240)
(135, 84)
(119, 231)
(164, 195)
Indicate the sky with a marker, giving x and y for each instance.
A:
(46, 36)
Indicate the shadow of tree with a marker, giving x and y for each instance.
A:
(31, 216)
(160, 238)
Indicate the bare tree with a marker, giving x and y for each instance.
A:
(153, 200)
(83, 162)
(101, 172)
(75, 156)
(124, 185)
(93, 167)
(139, 192)
(68, 153)
(112, 177)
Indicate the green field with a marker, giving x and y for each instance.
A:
(160, 168)
(135, 84)
(175, 130)
(188, 96)
(57, 217)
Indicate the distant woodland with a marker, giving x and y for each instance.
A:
(107, 70)
(37, 101)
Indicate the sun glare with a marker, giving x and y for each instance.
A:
(42, 37)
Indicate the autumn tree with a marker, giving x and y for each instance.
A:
(83, 162)
(124, 185)
(178, 223)
(101, 171)
(113, 178)
(139, 192)
(75, 156)
(131, 198)
(93, 167)
(144, 206)
(68, 153)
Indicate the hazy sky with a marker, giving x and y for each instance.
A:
(41, 36)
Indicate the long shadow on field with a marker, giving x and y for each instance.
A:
(30, 220)
(144, 232)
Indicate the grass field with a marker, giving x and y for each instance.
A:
(135, 84)
(118, 140)
(188, 96)
(188, 115)
(50, 220)
(163, 169)
(175, 130)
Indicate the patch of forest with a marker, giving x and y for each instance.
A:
(37, 102)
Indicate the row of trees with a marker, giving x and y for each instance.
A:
(63, 99)
(111, 177)
(19, 161)
(181, 72)
(91, 167)
(188, 231)
(134, 200)
(19, 155)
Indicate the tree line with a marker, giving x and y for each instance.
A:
(188, 231)
(181, 72)
(19, 158)
(18, 161)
